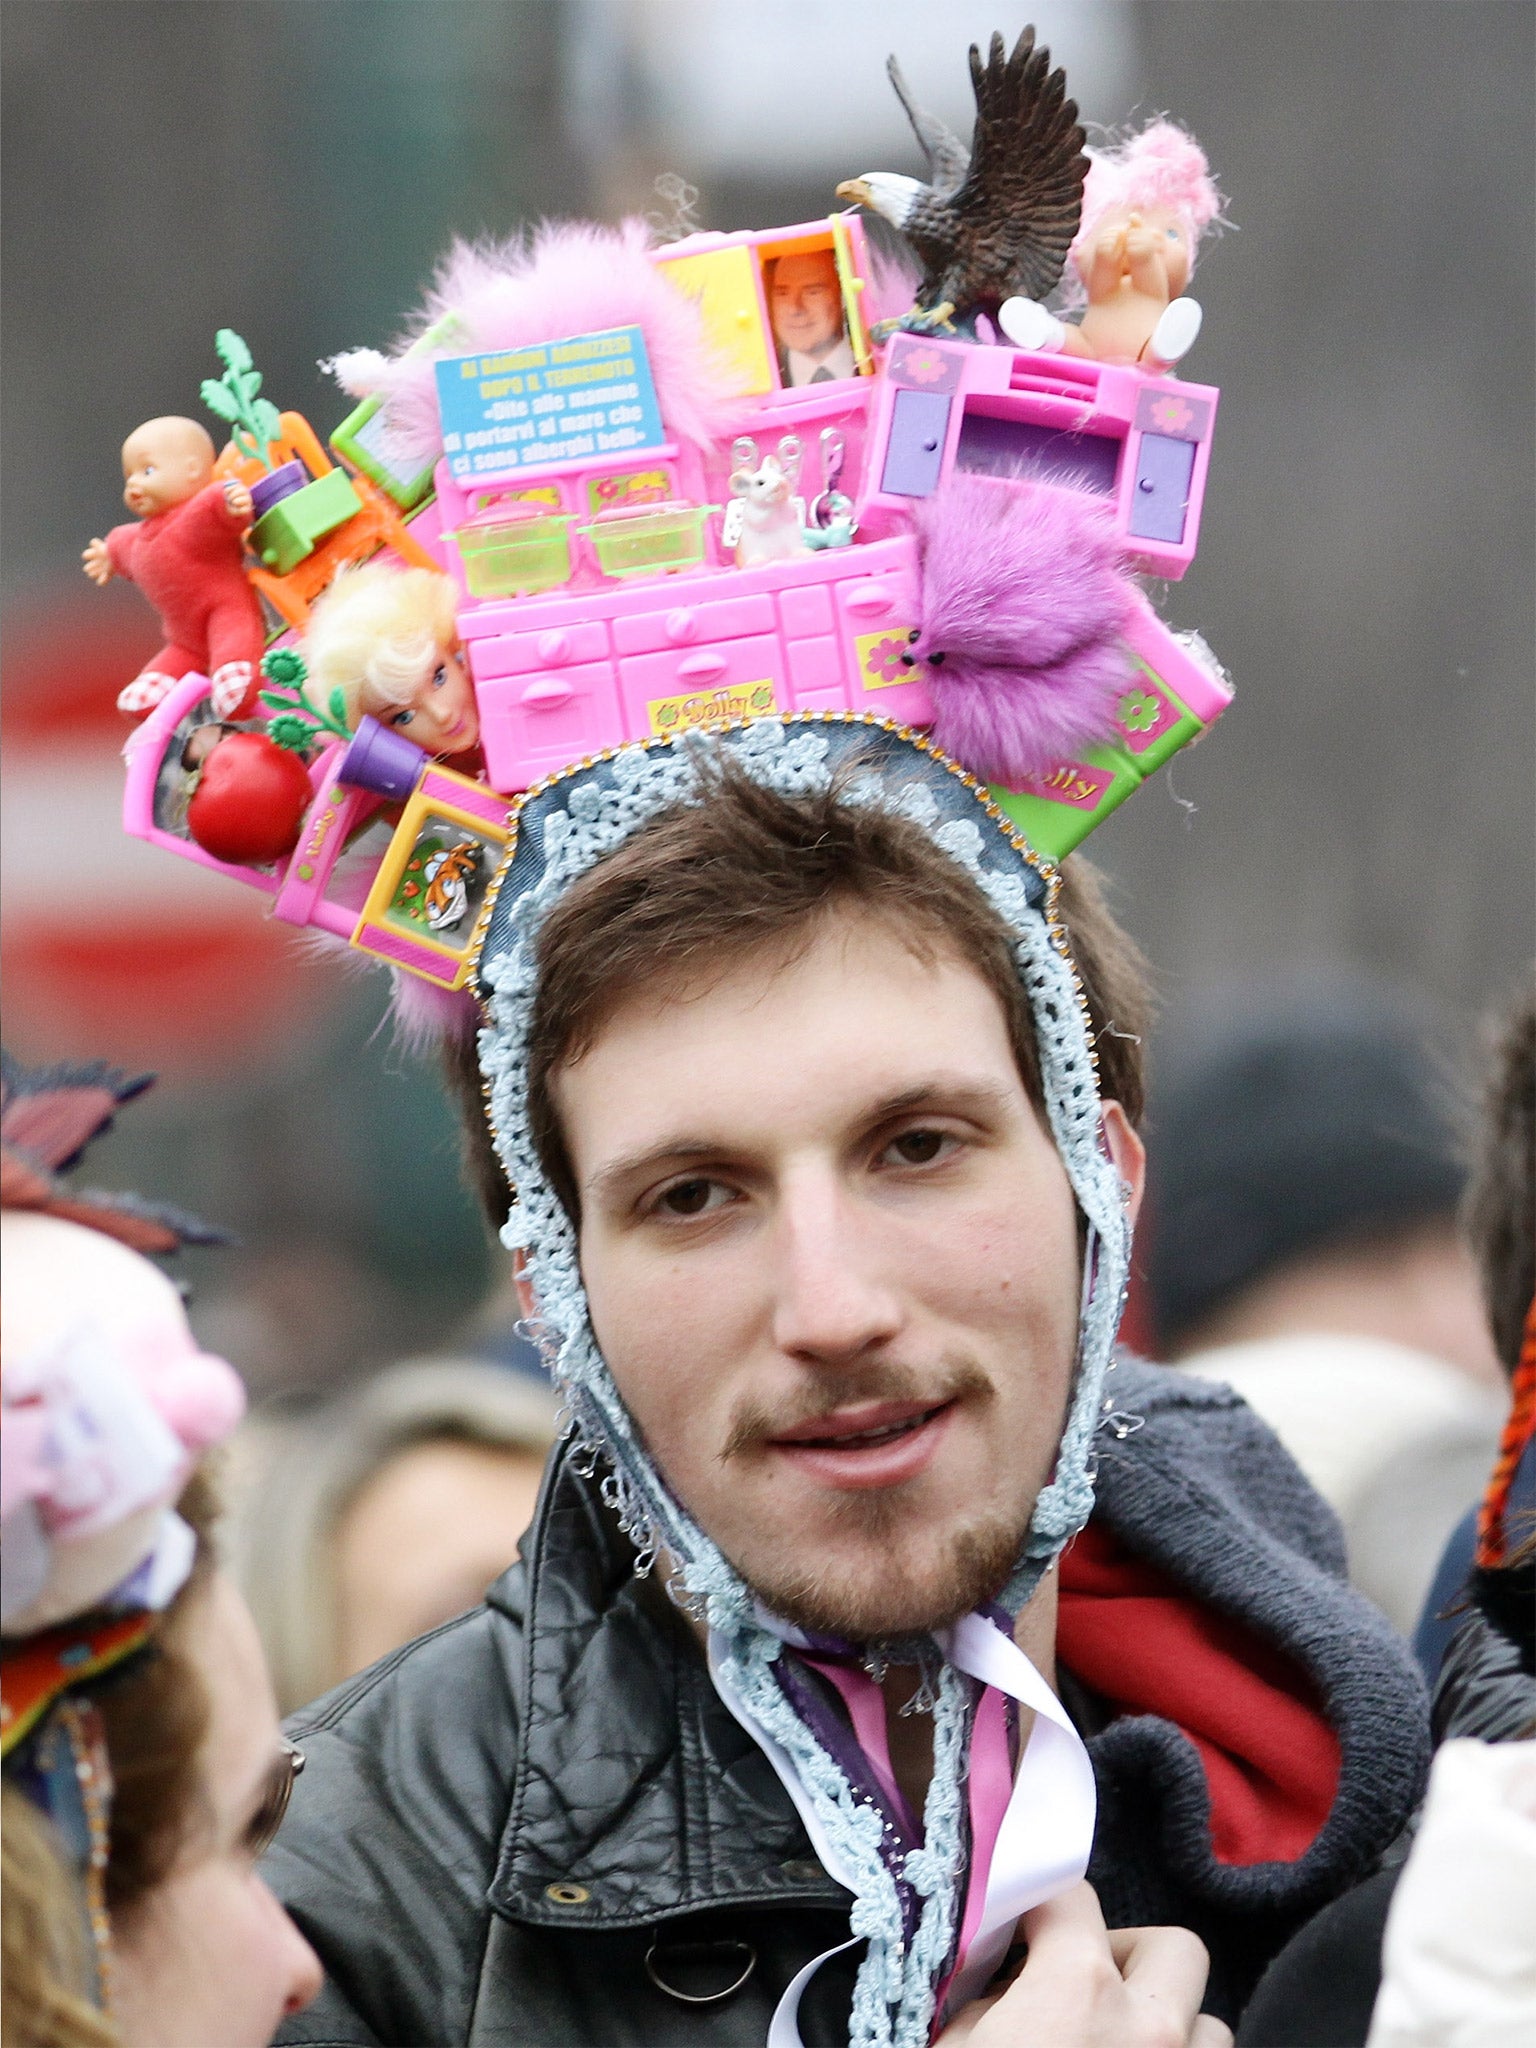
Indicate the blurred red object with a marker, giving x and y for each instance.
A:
(111, 948)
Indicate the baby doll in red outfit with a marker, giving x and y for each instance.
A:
(186, 555)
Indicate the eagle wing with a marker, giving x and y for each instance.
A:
(1022, 198)
(948, 157)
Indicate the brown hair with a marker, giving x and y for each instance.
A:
(1499, 1210)
(155, 1718)
(700, 888)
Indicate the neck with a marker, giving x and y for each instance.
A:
(910, 1736)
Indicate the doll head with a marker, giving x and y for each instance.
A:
(1161, 173)
(165, 462)
(387, 639)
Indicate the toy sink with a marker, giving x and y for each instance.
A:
(649, 540)
(297, 523)
(514, 550)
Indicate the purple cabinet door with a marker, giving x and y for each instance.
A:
(1160, 497)
(919, 422)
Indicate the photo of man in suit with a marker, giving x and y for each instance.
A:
(805, 307)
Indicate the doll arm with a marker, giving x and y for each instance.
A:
(217, 516)
(97, 561)
(116, 553)
(1105, 259)
(1145, 251)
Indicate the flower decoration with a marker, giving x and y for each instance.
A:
(297, 725)
(887, 659)
(1139, 710)
(923, 365)
(1172, 415)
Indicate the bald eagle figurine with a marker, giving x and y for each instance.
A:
(998, 219)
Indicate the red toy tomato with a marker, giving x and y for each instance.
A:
(250, 800)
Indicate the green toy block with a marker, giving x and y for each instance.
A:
(296, 525)
(362, 440)
(1154, 720)
(1063, 807)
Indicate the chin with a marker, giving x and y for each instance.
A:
(882, 1586)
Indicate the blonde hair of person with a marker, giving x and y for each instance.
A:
(47, 2003)
(291, 1482)
(375, 633)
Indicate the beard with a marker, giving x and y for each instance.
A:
(895, 1591)
(889, 1573)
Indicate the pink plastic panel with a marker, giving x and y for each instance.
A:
(475, 798)
(148, 749)
(405, 952)
(301, 899)
(726, 617)
(520, 653)
(531, 725)
(725, 679)
(1201, 687)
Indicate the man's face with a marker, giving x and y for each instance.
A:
(805, 304)
(832, 1261)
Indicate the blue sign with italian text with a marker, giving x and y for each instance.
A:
(555, 404)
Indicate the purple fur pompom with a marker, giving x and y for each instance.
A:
(1024, 600)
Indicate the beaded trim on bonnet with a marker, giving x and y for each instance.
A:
(566, 826)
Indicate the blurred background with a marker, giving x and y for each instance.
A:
(292, 168)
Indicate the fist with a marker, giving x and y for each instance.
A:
(237, 496)
(97, 564)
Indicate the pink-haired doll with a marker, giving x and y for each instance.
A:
(1147, 201)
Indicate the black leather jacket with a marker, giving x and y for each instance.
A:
(538, 1826)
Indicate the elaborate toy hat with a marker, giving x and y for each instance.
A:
(945, 623)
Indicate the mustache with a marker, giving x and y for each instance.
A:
(755, 1423)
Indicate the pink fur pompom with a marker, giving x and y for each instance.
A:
(426, 1017)
(567, 277)
(1024, 600)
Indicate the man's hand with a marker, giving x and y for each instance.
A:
(1083, 1987)
(98, 565)
(237, 496)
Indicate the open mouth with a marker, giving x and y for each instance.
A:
(884, 1444)
(883, 1433)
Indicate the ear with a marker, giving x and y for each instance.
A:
(525, 1295)
(1126, 1151)
(740, 478)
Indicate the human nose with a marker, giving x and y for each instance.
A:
(302, 1973)
(834, 1298)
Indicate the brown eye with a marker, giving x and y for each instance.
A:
(688, 1198)
(917, 1148)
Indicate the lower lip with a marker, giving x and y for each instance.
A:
(864, 1466)
(452, 732)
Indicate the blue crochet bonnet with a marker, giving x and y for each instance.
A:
(563, 828)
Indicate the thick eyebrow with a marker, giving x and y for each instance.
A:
(954, 1094)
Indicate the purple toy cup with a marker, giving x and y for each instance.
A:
(383, 761)
(276, 485)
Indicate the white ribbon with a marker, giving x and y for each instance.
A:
(1046, 1833)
